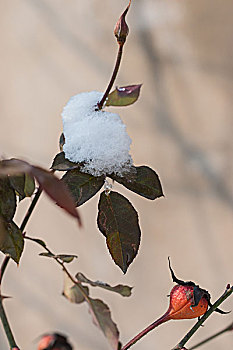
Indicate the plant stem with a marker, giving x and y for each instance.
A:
(6, 327)
(22, 227)
(77, 283)
(227, 329)
(30, 209)
(193, 330)
(113, 78)
(149, 328)
(5, 262)
(165, 318)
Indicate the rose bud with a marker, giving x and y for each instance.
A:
(187, 301)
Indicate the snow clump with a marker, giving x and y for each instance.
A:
(95, 137)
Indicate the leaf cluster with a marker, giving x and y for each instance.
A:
(17, 182)
(117, 218)
(79, 292)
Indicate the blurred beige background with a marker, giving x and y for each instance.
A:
(181, 50)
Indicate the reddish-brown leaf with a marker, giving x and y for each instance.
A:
(48, 182)
(124, 95)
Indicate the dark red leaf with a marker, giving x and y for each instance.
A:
(124, 96)
(52, 186)
(56, 190)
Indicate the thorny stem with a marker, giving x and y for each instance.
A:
(6, 327)
(153, 325)
(227, 329)
(226, 294)
(113, 78)
(5, 262)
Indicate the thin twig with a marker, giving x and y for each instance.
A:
(6, 327)
(227, 329)
(145, 331)
(113, 78)
(60, 262)
(193, 330)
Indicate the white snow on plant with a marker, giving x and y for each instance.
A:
(98, 138)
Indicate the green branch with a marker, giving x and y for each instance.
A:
(60, 262)
(226, 294)
(227, 329)
(5, 262)
(22, 227)
(6, 327)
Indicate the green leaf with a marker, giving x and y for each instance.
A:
(145, 182)
(7, 199)
(118, 221)
(82, 186)
(29, 186)
(23, 184)
(48, 255)
(102, 319)
(66, 258)
(123, 290)
(38, 241)
(124, 96)
(17, 183)
(11, 240)
(72, 292)
(60, 163)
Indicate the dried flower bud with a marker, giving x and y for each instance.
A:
(121, 29)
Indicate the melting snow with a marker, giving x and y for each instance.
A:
(98, 138)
